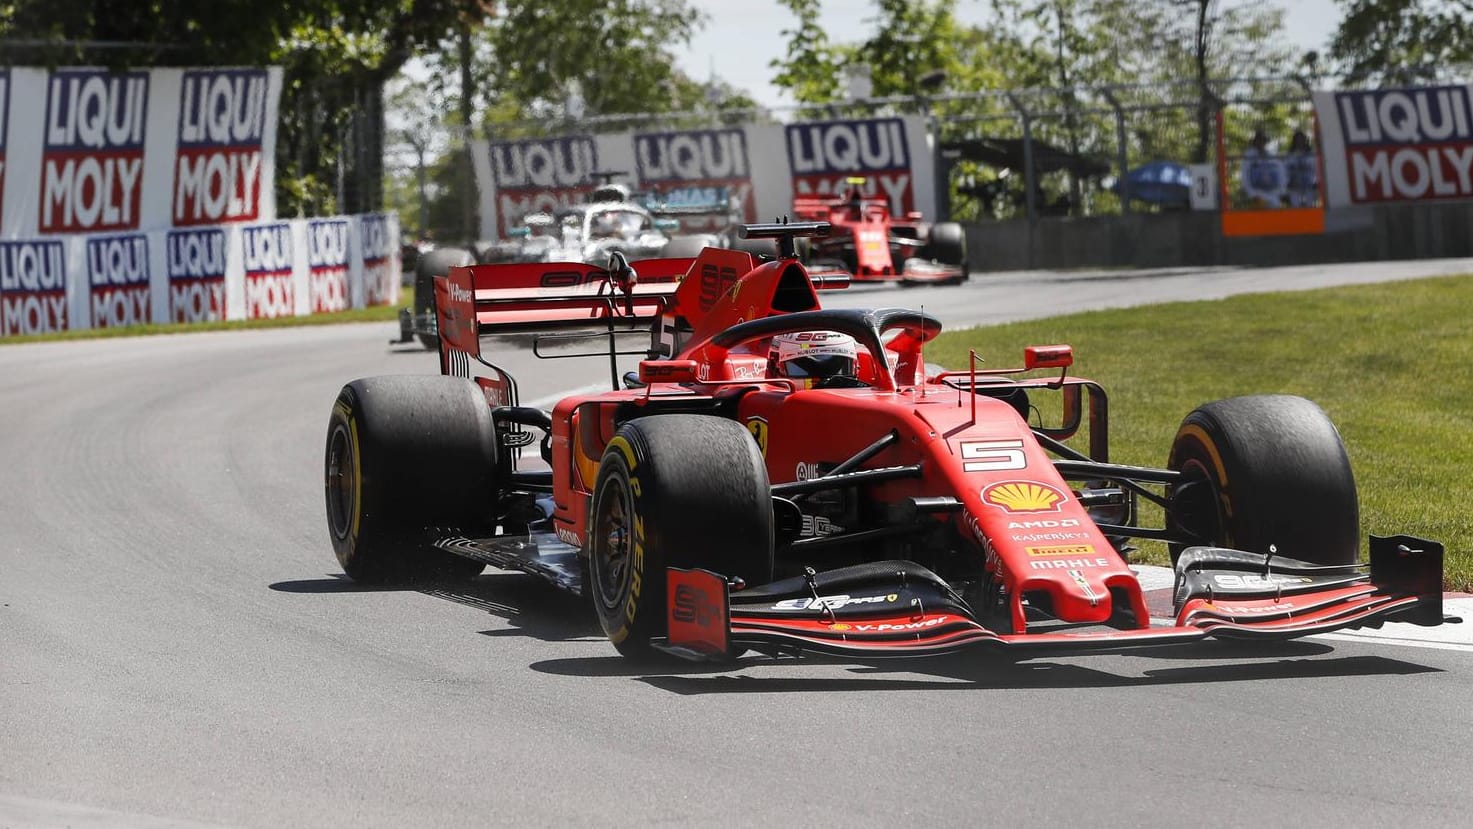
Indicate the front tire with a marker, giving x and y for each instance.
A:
(947, 244)
(673, 490)
(403, 454)
(1265, 470)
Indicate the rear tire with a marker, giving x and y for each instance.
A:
(673, 490)
(403, 454)
(437, 262)
(1265, 470)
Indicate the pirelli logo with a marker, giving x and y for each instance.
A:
(1062, 550)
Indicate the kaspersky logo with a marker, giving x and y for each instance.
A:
(1023, 496)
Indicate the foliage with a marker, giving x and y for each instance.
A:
(1403, 42)
(812, 69)
(590, 57)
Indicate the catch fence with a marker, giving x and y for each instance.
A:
(1034, 153)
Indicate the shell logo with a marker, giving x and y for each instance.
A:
(1023, 496)
(841, 626)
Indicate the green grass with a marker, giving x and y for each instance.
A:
(1389, 363)
(378, 313)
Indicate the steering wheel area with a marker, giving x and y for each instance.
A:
(867, 327)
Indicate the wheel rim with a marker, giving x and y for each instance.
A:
(342, 482)
(613, 543)
(1196, 504)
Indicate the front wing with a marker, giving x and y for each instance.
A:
(898, 609)
(924, 270)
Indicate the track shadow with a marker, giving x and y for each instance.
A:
(532, 606)
(989, 674)
(537, 609)
(983, 671)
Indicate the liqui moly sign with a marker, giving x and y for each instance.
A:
(117, 276)
(92, 151)
(217, 168)
(540, 175)
(823, 156)
(1397, 145)
(380, 259)
(327, 264)
(195, 262)
(682, 166)
(32, 288)
(269, 261)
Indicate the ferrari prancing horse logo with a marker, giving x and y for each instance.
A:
(758, 427)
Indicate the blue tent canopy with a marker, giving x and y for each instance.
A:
(1167, 183)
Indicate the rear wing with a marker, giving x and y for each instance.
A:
(472, 302)
(549, 297)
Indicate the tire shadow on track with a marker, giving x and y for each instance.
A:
(530, 605)
(984, 672)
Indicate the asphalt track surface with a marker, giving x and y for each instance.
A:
(177, 647)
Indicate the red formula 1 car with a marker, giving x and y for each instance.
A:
(875, 246)
(781, 478)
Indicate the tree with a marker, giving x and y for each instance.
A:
(811, 71)
(1402, 42)
(607, 56)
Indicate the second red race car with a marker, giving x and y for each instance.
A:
(873, 245)
(780, 478)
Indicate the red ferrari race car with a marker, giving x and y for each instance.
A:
(875, 246)
(780, 478)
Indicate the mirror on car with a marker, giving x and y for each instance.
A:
(667, 371)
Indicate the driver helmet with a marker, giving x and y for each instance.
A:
(811, 357)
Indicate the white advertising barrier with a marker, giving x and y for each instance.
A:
(693, 166)
(203, 274)
(764, 165)
(891, 154)
(1396, 145)
(86, 150)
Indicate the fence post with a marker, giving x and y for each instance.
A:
(1121, 155)
(1030, 177)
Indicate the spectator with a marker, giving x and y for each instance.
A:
(1302, 172)
(1263, 174)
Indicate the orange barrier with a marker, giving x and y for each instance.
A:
(1284, 221)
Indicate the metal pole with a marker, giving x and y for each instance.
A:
(1121, 156)
(1029, 177)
